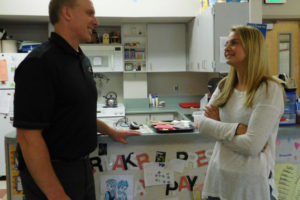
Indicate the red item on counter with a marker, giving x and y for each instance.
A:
(164, 127)
(190, 105)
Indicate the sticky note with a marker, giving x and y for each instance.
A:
(3, 70)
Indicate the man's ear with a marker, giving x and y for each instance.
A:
(66, 13)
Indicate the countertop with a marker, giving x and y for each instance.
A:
(140, 106)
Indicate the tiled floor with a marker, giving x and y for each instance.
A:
(3, 190)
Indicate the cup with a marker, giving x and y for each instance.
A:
(197, 115)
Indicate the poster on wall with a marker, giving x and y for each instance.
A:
(117, 187)
(157, 174)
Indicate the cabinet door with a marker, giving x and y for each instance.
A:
(139, 118)
(166, 47)
(226, 16)
(162, 116)
(200, 41)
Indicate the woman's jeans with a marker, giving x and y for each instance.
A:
(216, 198)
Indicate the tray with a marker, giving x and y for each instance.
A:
(177, 130)
(190, 105)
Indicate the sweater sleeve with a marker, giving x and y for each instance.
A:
(267, 110)
(216, 129)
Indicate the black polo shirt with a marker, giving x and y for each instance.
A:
(55, 92)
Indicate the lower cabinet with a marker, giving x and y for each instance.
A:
(146, 118)
(139, 118)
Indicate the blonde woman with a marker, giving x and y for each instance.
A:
(243, 116)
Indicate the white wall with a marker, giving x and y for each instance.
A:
(146, 8)
(189, 83)
(24, 7)
(110, 8)
(28, 31)
(289, 10)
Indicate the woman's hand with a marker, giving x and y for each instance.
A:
(212, 112)
(242, 129)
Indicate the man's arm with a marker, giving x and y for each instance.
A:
(37, 159)
(118, 135)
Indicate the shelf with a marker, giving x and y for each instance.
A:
(139, 36)
(131, 72)
(134, 47)
(135, 60)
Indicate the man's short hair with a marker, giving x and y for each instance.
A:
(55, 7)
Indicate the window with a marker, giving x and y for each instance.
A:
(284, 53)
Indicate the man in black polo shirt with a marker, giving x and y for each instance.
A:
(55, 109)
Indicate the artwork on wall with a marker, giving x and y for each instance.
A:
(117, 187)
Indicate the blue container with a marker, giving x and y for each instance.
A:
(290, 110)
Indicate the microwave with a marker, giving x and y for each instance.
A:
(104, 58)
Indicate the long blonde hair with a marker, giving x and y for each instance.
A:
(257, 68)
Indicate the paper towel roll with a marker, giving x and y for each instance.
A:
(9, 46)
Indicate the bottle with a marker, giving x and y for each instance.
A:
(150, 100)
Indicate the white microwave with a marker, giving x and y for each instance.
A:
(104, 58)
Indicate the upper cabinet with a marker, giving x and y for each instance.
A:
(207, 33)
(166, 47)
(200, 48)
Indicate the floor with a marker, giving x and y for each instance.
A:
(3, 190)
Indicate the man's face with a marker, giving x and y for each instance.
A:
(83, 20)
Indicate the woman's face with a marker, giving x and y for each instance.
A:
(234, 51)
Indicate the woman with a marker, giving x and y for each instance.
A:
(243, 116)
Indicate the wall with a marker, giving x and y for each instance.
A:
(289, 10)
(111, 8)
(28, 31)
(188, 83)
(114, 84)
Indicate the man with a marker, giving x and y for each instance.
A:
(55, 109)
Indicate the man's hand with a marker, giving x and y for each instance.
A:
(212, 112)
(121, 135)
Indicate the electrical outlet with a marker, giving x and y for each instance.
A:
(176, 88)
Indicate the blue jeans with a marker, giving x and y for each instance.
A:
(217, 198)
(214, 198)
(271, 196)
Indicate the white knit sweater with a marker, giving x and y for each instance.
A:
(237, 169)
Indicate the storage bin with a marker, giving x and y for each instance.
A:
(290, 110)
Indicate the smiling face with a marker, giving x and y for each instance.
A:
(234, 52)
(83, 20)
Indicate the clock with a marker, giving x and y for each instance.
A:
(275, 1)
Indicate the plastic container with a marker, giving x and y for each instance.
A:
(197, 116)
(290, 110)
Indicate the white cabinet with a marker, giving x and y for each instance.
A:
(166, 47)
(162, 116)
(201, 51)
(139, 118)
(205, 31)
(147, 118)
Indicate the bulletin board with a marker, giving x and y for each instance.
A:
(166, 170)
(8, 64)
